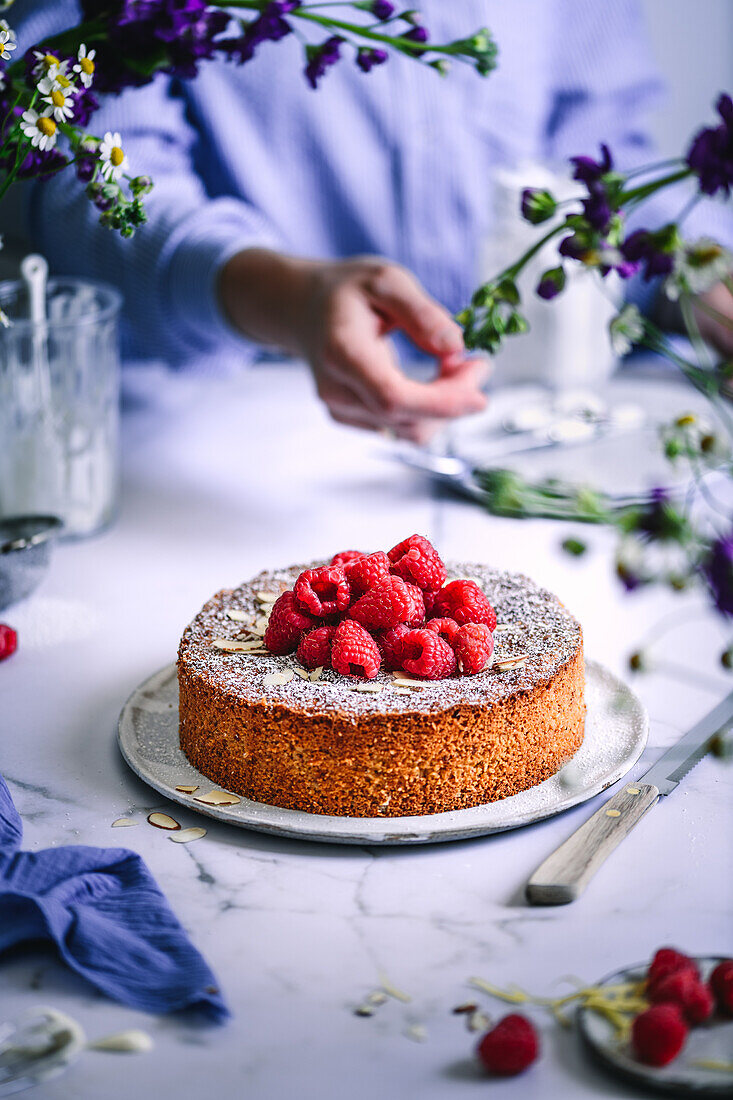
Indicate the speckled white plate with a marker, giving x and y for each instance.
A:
(616, 730)
(686, 1076)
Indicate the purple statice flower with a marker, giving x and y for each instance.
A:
(381, 9)
(321, 58)
(85, 104)
(643, 248)
(590, 171)
(551, 284)
(718, 572)
(267, 27)
(711, 154)
(367, 58)
(41, 164)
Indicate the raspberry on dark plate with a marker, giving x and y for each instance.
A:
(8, 641)
(354, 652)
(426, 654)
(510, 1047)
(416, 560)
(658, 1035)
(286, 626)
(322, 592)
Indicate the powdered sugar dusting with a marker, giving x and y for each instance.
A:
(535, 624)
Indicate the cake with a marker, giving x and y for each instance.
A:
(261, 725)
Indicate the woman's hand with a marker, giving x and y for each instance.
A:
(337, 315)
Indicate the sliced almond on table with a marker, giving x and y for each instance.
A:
(417, 1033)
(163, 821)
(477, 1021)
(238, 616)
(187, 788)
(132, 1041)
(364, 1010)
(124, 823)
(185, 836)
(392, 991)
(218, 798)
(376, 997)
(277, 679)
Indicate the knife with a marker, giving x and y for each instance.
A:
(565, 874)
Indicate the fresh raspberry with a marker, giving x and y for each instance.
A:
(322, 591)
(721, 983)
(683, 988)
(510, 1047)
(417, 561)
(425, 653)
(8, 641)
(366, 571)
(429, 597)
(390, 602)
(666, 961)
(658, 1035)
(446, 628)
(466, 603)
(354, 652)
(346, 556)
(314, 648)
(417, 617)
(390, 646)
(473, 646)
(286, 626)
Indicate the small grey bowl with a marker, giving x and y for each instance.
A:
(25, 550)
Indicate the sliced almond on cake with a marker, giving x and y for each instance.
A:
(238, 616)
(277, 679)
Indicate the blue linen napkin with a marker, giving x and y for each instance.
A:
(110, 922)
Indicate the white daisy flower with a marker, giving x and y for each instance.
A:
(41, 129)
(5, 321)
(48, 64)
(85, 65)
(5, 26)
(59, 99)
(7, 43)
(698, 266)
(3, 82)
(112, 157)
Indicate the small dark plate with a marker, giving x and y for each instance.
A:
(25, 550)
(684, 1077)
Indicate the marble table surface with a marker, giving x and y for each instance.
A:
(221, 479)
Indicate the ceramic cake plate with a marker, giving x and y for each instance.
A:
(616, 731)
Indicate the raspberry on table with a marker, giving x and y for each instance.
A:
(510, 1047)
(354, 652)
(416, 560)
(345, 556)
(390, 646)
(366, 571)
(473, 646)
(286, 626)
(425, 653)
(323, 591)
(683, 988)
(666, 961)
(446, 628)
(721, 983)
(8, 641)
(464, 601)
(390, 602)
(658, 1035)
(314, 648)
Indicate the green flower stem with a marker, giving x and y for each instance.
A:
(639, 194)
(516, 268)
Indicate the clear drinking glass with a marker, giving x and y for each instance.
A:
(59, 404)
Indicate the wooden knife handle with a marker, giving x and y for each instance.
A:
(565, 874)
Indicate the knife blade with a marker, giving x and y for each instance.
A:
(674, 764)
(564, 875)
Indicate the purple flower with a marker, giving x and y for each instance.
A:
(85, 104)
(574, 247)
(382, 9)
(551, 284)
(718, 571)
(417, 34)
(367, 58)
(597, 208)
(590, 171)
(41, 165)
(267, 27)
(321, 58)
(85, 166)
(643, 247)
(711, 154)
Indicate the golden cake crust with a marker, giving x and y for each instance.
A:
(325, 747)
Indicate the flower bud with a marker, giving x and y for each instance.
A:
(537, 205)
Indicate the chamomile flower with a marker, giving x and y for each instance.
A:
(85, 65)
(7, 42)
(58, 98)
(41, 129)
(48, 64)
(112, 157)
(5, 321)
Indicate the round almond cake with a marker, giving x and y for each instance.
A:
(263, 726)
